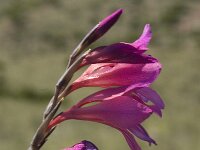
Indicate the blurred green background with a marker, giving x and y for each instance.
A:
(36, 37)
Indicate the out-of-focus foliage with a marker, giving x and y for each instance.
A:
(37, 36)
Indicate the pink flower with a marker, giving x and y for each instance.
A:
(138, 92)
(117, 74)
(84, 145)
(125, 112)
(120, 64)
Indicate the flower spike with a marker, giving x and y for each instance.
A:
(127, 73)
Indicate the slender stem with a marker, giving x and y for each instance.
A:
(42, 133)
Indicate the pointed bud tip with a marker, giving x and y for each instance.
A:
(101, 28)
(119, 11)
(110, 20)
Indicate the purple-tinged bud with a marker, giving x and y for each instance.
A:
(103, 26)
(98, 31)
(108, 22)
(84, 145)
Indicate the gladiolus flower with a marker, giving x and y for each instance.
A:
(144, 94)
(125, 113)
(117, 74)
(84, 145)
(120, 64)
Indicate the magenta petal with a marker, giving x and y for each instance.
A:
(147, 94)
(117, 53)
(110, 93)
(131, 141)
(121, 112)
(84, 145)
(130, 91)
(141, 133)
(117, 74)
(144, 39)
(78, 146)
(106, 94)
